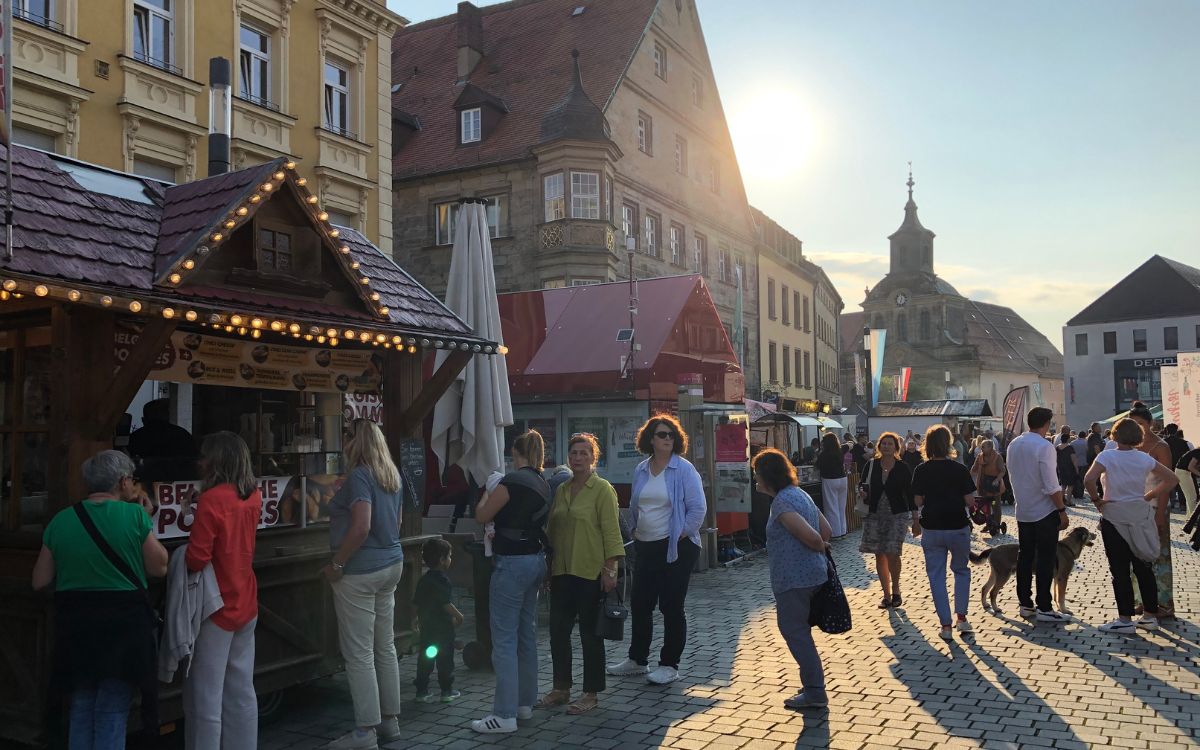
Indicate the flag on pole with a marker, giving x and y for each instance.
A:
(1016, 403)
(902, 383)
(878, 340)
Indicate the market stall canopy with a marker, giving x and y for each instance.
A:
(785, 417)
(971, 407)
(239, 249)
(830, 424)
(574, 341)
(1155, 411)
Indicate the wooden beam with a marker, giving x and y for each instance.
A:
(132, 373)
(433, 390)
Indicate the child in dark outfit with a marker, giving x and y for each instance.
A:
(438, 618)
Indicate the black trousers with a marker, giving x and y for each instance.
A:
(1038, 552)
(444, 641)
(657, 582)
(576, 599)
(1120, 557)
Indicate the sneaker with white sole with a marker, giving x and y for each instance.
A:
(1124, 627)
(493, 724)
(356, 739)
(946, 633)
(524, 713)
(1050, 615)
(803, 700)
(964, 627)
(389, 729)
(1028, 612)
(425, 697)
(1147, 622)
(626, 668)
(449, 696)
(663, 675)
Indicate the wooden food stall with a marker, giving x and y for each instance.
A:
(238, 302)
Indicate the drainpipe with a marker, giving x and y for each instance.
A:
(220, 115)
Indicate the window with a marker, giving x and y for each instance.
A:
(783, 301)
(446, 216)
(681, 154)
(40, 12)
(771, 299)
(660, 61)
(796, 314)
(714, 176)
(552, 196)
(645, 133)
(343, 219)
(274, 251)
(1139, 339)
(584, 282)
(497, 216)
(629, 222)
(700, 258)
(677, 244)
(469, 124)
(154, 32)
(585, 195)
(723, 264)
(255, 66)
(1081, 345)
(1110, 342)
(1171, 338)
(25, 449)
(35, 139)
(800, 382)
(337, 98)
(787, 365)
(608, 198)
(739, 272)
(902, 326)
(697, 91)
(154, 170)
(806, 319)
(651, 229)
(926, 326)
(771, 364)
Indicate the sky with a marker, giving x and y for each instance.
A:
(1055, 146)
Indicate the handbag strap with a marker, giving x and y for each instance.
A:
(122, 567)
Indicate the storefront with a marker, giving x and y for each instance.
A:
(246, 311)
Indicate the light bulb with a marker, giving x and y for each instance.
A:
(168, 313)
(106, 300)
(323, 216)
(135, 306)
(276, 325)
(290, 165)
(294, 328)
(41, 290)
(242, 211)
(74, 295)
(235, 319)
(279, 175)
(312, 199)
(189, 264)
(174, 278)
(256, 322)
(10, 285)
(190, 315)
(217, 237)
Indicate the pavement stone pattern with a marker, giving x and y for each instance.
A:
(892, 682)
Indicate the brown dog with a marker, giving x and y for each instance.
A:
(1003, 560)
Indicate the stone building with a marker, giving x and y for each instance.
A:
(124, 84)
(798, 320)
(583, 125)
(957, 347)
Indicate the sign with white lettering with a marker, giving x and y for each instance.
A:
(169, 521)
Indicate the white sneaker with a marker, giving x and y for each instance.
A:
(946, 633)
(663, 675)
(493, 724)
(389, 729)
(964, 627)
(1028, 612)
(626, 668)
(1148, 622)
(1051, 616)
(524, 713)
(1119, 626)
(355, 740)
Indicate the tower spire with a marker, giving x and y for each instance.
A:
(910, 182)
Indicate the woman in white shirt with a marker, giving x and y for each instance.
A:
(1131, 480)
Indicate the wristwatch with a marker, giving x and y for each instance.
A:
(337, 565)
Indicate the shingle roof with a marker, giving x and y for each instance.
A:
(69, 233)
(1159, 288)
(526, 63)
(1006, 341)
(971, 407)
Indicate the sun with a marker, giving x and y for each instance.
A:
(774, 134)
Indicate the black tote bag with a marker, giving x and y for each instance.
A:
(830, 610)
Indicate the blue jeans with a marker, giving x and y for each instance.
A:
(516, 581)
(98, 716)
(792, 608)
(937, 543)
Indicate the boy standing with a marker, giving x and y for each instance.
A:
(438, 618)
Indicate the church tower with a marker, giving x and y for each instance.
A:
(911, 244)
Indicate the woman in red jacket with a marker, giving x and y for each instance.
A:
(219, 702)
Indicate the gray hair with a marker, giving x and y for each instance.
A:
(105, 470)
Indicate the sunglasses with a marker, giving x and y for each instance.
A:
(664, 435)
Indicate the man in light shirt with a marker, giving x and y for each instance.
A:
(1040, 513)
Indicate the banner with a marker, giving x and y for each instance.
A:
(902, 383)
(1189, 394)
(1172, 399)
(212, 360)
(859, 382)
(1016, 404)
(878, 341)
(168, 520)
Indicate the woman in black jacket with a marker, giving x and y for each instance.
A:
(886, 487)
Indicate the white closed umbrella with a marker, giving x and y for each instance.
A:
(469, 420)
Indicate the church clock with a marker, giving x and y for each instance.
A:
(901, 299)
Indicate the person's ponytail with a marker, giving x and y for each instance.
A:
(531, 446)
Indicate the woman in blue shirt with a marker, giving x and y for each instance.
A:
(797, 537)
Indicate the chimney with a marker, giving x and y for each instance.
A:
(470, 39)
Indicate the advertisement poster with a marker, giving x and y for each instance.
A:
(623, 456)
(732, 443)
(1189, 394)
(1016, 403)
(211, 360)
(1172, 399)
(364, 406)
(169, 522)
(598, 426)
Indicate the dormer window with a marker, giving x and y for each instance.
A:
(471, 125)
(274, 251)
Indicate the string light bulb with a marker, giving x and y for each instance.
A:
(294, 328)
(10, 285)
(397, 339)
(302, 181)
(228, 329)
(374, 296)
(230, 224)
(323, 216)
(41, 290)
(255, 333)
(242, 211)
(255, 198)
(202, 251)
(354, 265)
(381, 338)
(320, 339)
(333, 342)
(235, 319)
(412, 349)
(364, 336)
(349, 333)
(312, 199)
(189, 264)
(135, 306)
(74, 295)
(266, 187)
(256, 323)
(190, 316)
(242, 331)
(364, 280)
(168, 313)
(345, 249)
(106, 300)
(279, 175)
(277, 325)
(308, 337)
(290, 165)
(384, 311)
(331, 333)
(502, 349)
(174, 278)
(217, 237)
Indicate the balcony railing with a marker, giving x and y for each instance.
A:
(258, 101)
(577, 233)
(155, 62)
(28, 15)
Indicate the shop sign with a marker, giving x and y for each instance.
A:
(169, 522)
(364, 406)
(210, 360)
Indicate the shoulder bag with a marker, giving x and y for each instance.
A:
(829, 610)
(860, 505)
(122, 567)
(610, 622)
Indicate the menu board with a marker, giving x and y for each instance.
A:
(212, 360)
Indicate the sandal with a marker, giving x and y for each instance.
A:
(585, 703)
(553, 698)
(885, 603)
(897, 600)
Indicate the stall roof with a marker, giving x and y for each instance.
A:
(785, 417)
(573, 340)
(971, 407)
(110, 232)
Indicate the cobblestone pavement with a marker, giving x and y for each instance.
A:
(892, 681)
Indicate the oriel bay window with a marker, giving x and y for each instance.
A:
(585, 195)
(255, 66)
(154, 32)
(554, 197)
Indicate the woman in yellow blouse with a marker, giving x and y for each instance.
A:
(585, 536)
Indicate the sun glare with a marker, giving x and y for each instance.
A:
(774, 135)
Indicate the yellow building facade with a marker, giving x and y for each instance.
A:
(124, 84)
(786, 346)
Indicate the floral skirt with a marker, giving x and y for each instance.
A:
(884, 532)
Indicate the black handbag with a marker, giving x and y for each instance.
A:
(610, 621)
(829, 610)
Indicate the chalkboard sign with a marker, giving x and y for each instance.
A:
(412, 471)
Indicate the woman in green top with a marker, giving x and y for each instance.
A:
(104, 638)
(585, 535)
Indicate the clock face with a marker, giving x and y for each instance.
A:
(901, 299)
